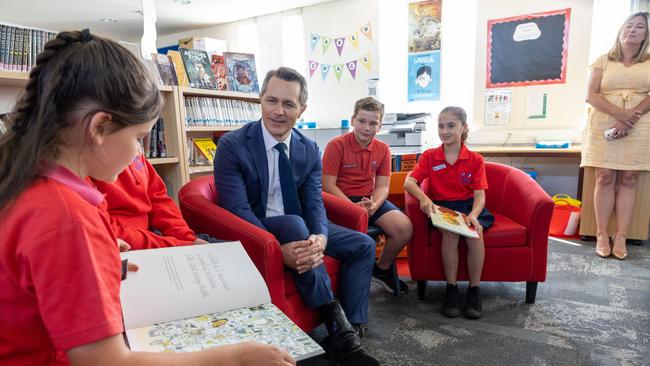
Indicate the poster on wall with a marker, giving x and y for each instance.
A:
(528, 49)
(424, 76)
(424, 26)
(498, 105)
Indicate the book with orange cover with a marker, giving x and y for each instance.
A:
(453, 221)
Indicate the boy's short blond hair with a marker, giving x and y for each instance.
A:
(369, 104)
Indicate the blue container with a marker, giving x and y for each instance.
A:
(311, 124)
(345, 123)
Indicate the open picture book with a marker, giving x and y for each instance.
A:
(453, 221)
(200, 296)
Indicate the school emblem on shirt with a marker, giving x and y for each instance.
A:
(466, 178)
(439, 167)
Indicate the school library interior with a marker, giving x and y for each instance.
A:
(318, 182)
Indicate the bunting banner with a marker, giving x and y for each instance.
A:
(338, 69)
(313, 65)
(339, 42)
(354, 39)
(324, 69)
(314, 41)
(367, 31)
(365, 61)
(352, 67)
(326, 43)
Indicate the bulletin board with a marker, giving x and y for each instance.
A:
(528, 49)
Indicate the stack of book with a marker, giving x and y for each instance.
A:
(19, 47)
(154, 144)
(202, 111)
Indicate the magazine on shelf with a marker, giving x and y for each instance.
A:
(197, 66)
(241, 72)
(166, 70)
(200, 296)
(453, 221)
(219, 71)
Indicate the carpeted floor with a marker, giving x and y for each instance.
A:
(590, 311)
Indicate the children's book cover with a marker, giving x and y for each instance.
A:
(453, 221)
(181, 76)
(197, 66)
(206, 146)
(165, 69)
(219, 71)
(241, 72)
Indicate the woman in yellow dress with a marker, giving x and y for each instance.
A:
(618, 92)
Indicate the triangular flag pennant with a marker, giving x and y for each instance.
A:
(366, 61)
(313, 65)
(326, 43)
(339, 43)
(324, 69)
(352, 66)
(367, 31)
(354, 39)
(338, 69)
(314, 41)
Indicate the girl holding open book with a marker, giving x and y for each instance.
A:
(87, 103)
(456, 181)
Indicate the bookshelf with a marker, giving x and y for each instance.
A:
(13, 78)
(200, 131)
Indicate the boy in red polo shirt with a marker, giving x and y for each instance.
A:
(141, 212)
(356, 167)
(456, 181)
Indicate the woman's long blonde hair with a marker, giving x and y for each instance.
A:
(616, 54)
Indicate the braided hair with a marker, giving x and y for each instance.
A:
(77, 75)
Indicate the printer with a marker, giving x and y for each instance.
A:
(406, 133)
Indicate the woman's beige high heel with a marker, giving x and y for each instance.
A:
(603, 251)
(620, 254)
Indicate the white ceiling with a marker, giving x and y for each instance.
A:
(57, 15)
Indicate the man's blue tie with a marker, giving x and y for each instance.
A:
(287, 185)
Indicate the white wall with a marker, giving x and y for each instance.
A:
(566, 107)
(331, 101)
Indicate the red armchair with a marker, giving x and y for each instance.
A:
(515, 246)
(197, 203)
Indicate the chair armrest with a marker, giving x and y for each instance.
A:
(261, 246)
(417, 217)
(345, 213)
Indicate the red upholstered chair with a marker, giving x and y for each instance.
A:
(515, 246)
(197, 203)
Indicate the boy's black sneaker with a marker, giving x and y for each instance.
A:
(450, 307)
(384, 277)
(473, 310)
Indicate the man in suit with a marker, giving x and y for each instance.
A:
(270, 175)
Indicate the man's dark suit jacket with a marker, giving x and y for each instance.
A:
(241, 176)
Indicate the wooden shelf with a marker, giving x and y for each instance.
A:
(211, 128)
(157, 161)
(12, 78)
(165, 88)
(200, 169)
(220, 94)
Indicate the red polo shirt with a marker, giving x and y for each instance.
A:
(137, 202)
(451, 182)
(60, 271)
(355, 166)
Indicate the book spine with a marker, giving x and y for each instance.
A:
(11, 36)
(3, 45)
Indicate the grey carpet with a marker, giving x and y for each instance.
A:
(590, 311)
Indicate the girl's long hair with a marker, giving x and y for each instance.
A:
(77, 75)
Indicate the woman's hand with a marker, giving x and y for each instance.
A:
(627, 116)
(622, 130)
